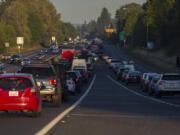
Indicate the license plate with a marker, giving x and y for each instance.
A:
(13, 93)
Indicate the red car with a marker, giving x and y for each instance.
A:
(19, 92)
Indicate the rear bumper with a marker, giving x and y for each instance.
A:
(20, 106)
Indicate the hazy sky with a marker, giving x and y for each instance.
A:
(77, 11)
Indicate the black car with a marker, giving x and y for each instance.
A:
(47, 81)
(132, 77)
(15, 59)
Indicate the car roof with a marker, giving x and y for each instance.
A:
(16, 75)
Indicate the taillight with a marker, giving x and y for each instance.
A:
(32, 92)
(77, 79)
(52, 81)
(160, 83)
(70, 82)
(128, 77)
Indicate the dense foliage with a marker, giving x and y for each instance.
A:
(35, 20)
(155, 21)
(96, 28)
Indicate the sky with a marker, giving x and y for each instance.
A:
(77, 11)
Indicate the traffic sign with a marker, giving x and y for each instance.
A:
(7, 44)
(53, 38)
(20, 40)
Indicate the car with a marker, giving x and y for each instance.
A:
(44, 50)
(168, 84)
(124, 74)
(25, 61)
(55, 50)
(108, 60)
(15, 58)
(83, 72)
(147, 80)
(132, 77)
(120, 73)
(39, 56)
(19, 92)
(1, 65)
(70, 84)
(6, 56)
(113, 62)
(76, 76)
(47, 80)
(152, 84)
(117, 66)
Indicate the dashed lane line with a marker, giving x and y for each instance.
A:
(51, 124)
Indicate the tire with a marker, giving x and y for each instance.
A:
(56, 100)
(127, 82)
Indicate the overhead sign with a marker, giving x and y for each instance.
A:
(20, 40)
(6, 44)
(110, 30)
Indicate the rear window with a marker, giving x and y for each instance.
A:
(171, 77)
(38, 71)
(14, 83)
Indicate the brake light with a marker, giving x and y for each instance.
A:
(70, 82)
(160, 83)
(77, 79)
(52, 81)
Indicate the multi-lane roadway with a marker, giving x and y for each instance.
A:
(105, 107)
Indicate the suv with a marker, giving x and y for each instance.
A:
(47, 81)
(168, 84)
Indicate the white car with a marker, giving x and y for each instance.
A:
(168, 84)
(70, 84)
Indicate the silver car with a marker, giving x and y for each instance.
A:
(168, 84)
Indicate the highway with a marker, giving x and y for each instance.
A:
(107, 107)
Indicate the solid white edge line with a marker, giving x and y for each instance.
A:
(51, 124)
(138, 94)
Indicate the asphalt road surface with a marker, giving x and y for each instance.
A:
(110, 107)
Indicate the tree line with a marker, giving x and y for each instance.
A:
(156, 21)
(35, 20)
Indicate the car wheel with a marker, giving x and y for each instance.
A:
(127, 82)
(56, 99)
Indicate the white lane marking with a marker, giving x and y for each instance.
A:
(51, 124)
(125, 116)
(138, 94)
